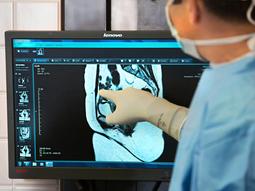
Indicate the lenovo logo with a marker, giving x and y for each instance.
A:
(112, 35)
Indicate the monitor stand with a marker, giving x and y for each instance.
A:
(103, 185)
(97, 185)
(77, 185)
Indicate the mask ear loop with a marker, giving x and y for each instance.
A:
(249, 12)
(251, 42)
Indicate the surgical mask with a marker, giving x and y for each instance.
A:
(189, 46)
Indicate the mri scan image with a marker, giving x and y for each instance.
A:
(134, 142)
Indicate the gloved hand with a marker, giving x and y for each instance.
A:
(134, 105)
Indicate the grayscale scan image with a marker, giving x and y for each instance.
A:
(137, 142)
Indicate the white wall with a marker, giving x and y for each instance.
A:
(124, 15)
(22, 15)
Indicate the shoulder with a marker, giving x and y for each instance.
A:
(226, 147)
(233, 98)
(230, 110)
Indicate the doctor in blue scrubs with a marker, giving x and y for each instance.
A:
(216, 135)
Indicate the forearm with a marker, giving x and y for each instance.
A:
(167, 116)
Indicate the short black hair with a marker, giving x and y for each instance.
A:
(230, 10)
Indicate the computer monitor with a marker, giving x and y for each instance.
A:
(56, 118)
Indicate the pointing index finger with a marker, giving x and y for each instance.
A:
(108, 94)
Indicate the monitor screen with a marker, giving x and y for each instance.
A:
(58, 117)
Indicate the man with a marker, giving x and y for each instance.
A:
(217, 137)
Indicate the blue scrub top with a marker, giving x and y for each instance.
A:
(217, 146)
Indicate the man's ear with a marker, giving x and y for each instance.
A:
(194, 11)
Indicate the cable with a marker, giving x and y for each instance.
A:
(108, 15)
(156, 186)
(85, 185)
(79, 185)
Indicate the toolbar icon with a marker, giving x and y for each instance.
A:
(19, 163)
(40, 52)
(24, 133)
(23, 97)
(24, 115)
(27, 163)
(49, 164)
(25, 151)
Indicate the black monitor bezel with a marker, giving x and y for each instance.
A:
(162, 174)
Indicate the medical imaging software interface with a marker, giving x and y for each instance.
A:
(60, 119)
